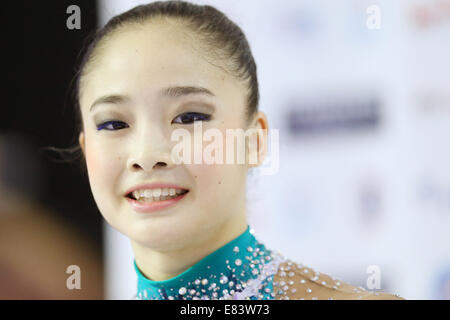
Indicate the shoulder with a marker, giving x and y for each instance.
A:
(295, 281)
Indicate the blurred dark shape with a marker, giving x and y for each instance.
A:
(21, 169)
(321, 116)
(35, 250)
(36, 246)
(48, 219)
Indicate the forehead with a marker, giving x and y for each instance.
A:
(154, 56)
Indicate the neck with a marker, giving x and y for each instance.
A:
(163, 265)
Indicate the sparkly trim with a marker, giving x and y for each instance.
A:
(254, 286)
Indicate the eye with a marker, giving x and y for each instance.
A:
(190, 117)
(111, 124)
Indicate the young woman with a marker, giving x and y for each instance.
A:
(168, 67)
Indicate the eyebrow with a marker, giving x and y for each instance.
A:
(173, 92)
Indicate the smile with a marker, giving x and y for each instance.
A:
(150, 200)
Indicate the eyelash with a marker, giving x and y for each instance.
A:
(206, 117)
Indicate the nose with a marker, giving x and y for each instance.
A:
(150, 152)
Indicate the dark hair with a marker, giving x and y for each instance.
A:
(224, 39)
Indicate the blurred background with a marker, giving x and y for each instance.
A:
(360, 94)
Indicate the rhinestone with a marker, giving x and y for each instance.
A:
(294, 290)
(282, 283)
(182, 291)
(302, 281)
(314, 298)
(231, 283)
(192, 292)
(250, 249)
(197, 282)
(238, 262)
(204, 281)
(223, 279)
(305, 271)
(236, 249)
(291, 283)
(308, 290)
(285, 288)
(324, 283)
(255, 271)
(171, 298)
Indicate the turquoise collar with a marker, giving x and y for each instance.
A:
(223, 274)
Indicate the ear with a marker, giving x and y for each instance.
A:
(261, 125)
(81, 142)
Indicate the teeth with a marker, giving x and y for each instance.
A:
(156, 194)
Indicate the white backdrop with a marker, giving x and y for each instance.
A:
(364, 122)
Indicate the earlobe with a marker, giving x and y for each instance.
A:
(81, 141)
(261, 126)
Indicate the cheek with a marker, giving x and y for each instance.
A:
(101, 165)
(215, 182)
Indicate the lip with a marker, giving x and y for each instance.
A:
(154, 205)
(153, 186)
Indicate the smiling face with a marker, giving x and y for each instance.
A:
(147, 71)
